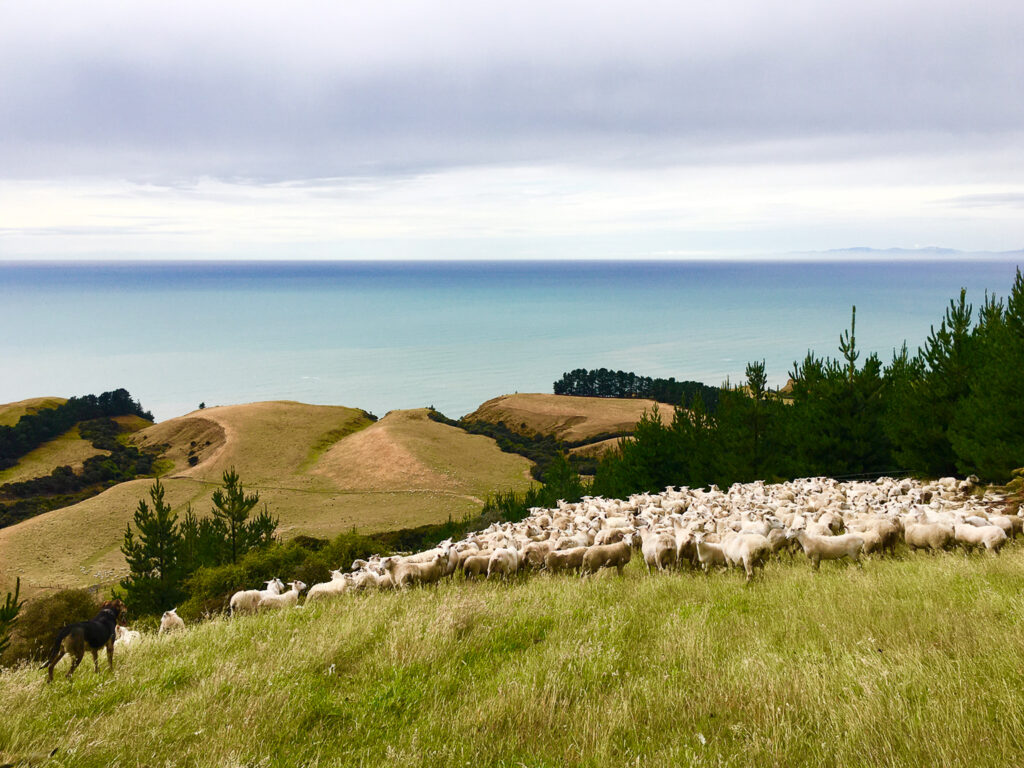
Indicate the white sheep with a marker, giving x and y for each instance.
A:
(338, 585)
(406, 574)
(709, 553)
(565, 559)
(658, 549)
(171, 621)
(930, 536)
(287, 599)
(126, 638)
(991, 537)
(746, 550)
(615, 556)
(248, 600)
(818, 548)
(504, 562)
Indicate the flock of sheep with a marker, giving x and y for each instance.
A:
(691, 529)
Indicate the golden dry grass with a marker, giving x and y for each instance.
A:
(403, 471)
(11, 412)
(598, 449)
(68, 449)
(566, 417)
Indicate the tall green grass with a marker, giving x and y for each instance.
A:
(906, 662)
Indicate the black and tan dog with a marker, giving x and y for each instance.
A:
(97, 633)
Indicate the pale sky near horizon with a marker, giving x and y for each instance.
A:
(468, 129)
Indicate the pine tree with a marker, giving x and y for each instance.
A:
(260, 531)
(232, 506)
(949, 367)
(155, 577)
(987, 429)
(836, 424)
(561, 481)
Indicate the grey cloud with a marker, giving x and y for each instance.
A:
(579, 90)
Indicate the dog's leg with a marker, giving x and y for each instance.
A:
(76, 659)
(110, 653)
(95, 659)
(57, 656)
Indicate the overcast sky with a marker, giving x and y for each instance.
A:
(509, 130)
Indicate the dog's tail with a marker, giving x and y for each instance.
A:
(56, 647)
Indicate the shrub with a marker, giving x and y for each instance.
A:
(41, 619)
(304, 558)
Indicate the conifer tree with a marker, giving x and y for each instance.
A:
(232, 506)
(154, 581)
(948, 365)
(987, 429)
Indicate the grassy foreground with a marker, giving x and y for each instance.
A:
(907, 662)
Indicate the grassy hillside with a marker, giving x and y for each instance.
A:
(10, 413)
(906, 662)
(69, 449)
(321, 469)
(566, 417)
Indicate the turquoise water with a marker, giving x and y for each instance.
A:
(401, 335)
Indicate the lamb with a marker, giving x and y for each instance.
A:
(171, 621)
(991, 537)
(405, 574)
(338, 585)
(565, 559)
(126, 637)
(476, 563)
(818, 548)
(287, 599)
(709, 553)
(608, 556)
(749, 550)
(247, 600)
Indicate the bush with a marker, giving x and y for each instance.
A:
(41, 619)
(304, 558)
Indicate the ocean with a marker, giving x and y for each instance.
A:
(389, 335)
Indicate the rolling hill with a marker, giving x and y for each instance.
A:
(11, 412)
(321, 469)
(566, 417)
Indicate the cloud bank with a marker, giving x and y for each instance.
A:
(738, 126)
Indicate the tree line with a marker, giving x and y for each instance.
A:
(602, 382)
(34, 429)
(956, 406)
